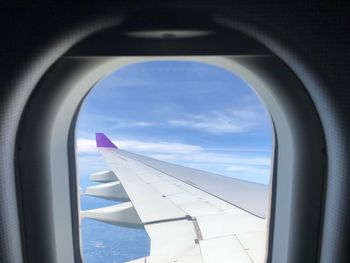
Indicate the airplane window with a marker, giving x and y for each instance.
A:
(174, 162)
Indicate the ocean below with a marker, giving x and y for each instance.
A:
(105, 243)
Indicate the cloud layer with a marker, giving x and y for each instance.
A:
(227, 121)
(254, 166)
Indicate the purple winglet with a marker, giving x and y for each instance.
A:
(103, 141)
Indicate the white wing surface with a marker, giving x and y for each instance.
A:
(189, 215)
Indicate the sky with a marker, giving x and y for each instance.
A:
(187, 113)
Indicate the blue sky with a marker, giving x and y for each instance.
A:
(189, 113)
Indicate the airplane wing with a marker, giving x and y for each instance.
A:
(189, 215)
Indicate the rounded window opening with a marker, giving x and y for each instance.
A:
(174, 163)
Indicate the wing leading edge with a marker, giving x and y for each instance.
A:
(187, 219)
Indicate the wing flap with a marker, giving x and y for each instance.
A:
(171, 239)
(224, 250)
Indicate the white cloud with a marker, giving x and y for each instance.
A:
(241, 165)
(86, 146)
(114, 122)
(250, 172)
(137, 124)
(246, 169)
(99, 244)
(228, 121)
(87, 164)
(132, 124)
(89, 146)
(158, 147)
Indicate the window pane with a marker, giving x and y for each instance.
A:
(186, 113)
